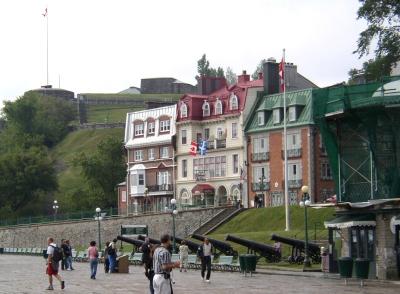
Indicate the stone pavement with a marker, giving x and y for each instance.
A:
(26, 274)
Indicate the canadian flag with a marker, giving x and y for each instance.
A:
(282, 74)
(193, 148)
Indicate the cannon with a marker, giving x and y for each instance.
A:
(151, 240)
(298, 247)
(260, 249)
(221, 246)
(193, 246)
(134, 242)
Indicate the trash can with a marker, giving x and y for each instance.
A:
(248, 263)
(242, 263)
(123, 264)
(324, 260)
(361, 266)
(345, 267)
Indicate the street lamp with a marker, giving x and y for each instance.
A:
(261, 182)
(174, 213)
(305, 202)
(98, 218)
(55, 208)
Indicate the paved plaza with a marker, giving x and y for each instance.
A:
(26, 274)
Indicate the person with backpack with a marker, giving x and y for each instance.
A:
(54, 255)
(112, 255)
(204, 252)
(93, 255)
(106, 260)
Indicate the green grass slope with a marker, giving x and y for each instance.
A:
(259, 224)
(109, 113)
(69, 177)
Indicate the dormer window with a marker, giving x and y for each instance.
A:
(150, 128)
(184, 110)
(261, 118)
(139, 129)
(234, 103)
(276, 116)
(206, 108)
(292, 113)
(218, 107)
(164, 125)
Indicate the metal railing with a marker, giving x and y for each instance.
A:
(159, 188)
(260, 187)
(292, 153)
(221, 143)
(294, 183)
(262, 156)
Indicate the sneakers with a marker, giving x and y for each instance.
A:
(62, 285)
(207, 281)
(50, 288)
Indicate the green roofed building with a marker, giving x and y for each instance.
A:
(307, 160)
(360, 126)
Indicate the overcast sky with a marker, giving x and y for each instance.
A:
(107, 46)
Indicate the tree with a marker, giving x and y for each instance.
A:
(103, 170)
(204, 69)
(259, 69)
(371, 70)
(231, 77)
(383, 18)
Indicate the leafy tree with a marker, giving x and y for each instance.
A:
(383, 18)
(103, 170)
(204, 69)
(259, 69)
(372, 70)
(24, 174)
(220, 72)
(231, 77)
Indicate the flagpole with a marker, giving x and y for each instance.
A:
(47, 46)
(287, 211)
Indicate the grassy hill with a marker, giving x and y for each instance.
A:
(69, 177)
(259, 224)
(109, 113)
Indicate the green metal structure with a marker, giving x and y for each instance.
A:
(360, 127)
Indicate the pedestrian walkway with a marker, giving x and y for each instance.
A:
(26, 274)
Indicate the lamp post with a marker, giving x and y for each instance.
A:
(55, 208)
(305, 202)
(261, 182)
(146, 194)
(98, 218)
(174, 213)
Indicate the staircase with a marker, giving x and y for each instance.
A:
(219, 219)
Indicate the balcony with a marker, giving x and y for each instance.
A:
(292, 153)
(292, 184)
(210, 144)
(160, 188)
(260, 187)
(221, 143)
(262, 156)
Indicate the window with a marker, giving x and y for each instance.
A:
(294, 171)
(234, 102)
(150, 127)
(276, 114)
(164, 125)
(163, 178)
(292, 198)
(234, 130)
(138, 155)
(261, 172)
(220, 133)
(206, 109)
(261, 118)
(235, 160)
(206, 134)
(260, 145)
(184, 110)
(326, 173)
(184, 168)
(184, 137)
(139, 129)
(293, 140)
(292, 113)
(150, 153)
(141, 180)
(164, 152)
(211, 166)
(218, 107)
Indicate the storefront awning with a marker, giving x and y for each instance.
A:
(203, 188)
(347, 221)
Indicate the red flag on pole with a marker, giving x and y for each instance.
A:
(45, 12)
(282, 74)
(193, 148)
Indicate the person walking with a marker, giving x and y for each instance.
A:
(204, 252)
(183, 256)
(112, 255)
(54, 255)
(69, 255)
(64, 258)
(93, 255)
(163, 266)
(106, 260)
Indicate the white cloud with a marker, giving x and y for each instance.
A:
(106, 46)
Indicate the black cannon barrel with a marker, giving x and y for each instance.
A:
(266, 251)
(135, 242)
(296, 243)
(151, 240)
(193, 246)
(224, 247)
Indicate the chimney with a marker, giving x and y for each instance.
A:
(243, 78)
(207, 85)
(260, 76)
(271, 76)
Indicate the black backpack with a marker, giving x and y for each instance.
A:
(57, 255)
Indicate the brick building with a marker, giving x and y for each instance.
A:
(150, 166)
(307, 160)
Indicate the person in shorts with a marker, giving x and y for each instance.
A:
(52, 266)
